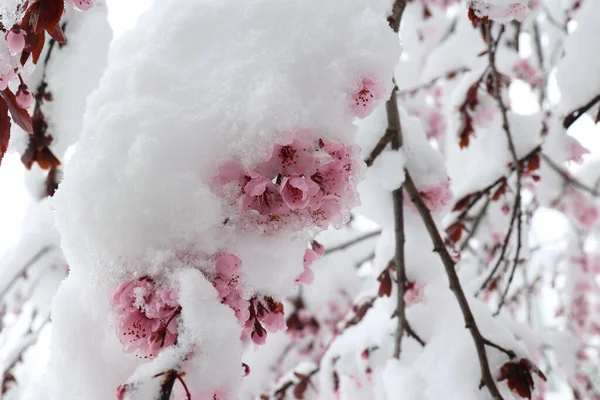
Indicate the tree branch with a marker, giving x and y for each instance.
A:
(455, 286)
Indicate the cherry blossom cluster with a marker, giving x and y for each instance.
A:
(305, 182)
(265, 315)
(146, 316)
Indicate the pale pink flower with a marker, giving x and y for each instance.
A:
(262, 195)
(294, 157)
(24, 97)
(5, 79)
(146, 317)
(366, 97)
(274, 322)
(576, 151)
(227, 265)
(230, 171)
(307, 277)
(15, 38)
(297, 191)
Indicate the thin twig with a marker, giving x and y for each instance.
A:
(539, 51)
(42, 252)
(352, 242)
(569, 178)
(516, 216)
(514, 266)
(475, 225)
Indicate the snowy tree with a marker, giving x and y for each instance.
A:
(300, 199)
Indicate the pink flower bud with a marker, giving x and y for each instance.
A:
(83, 5)
(24, 97)
(15, 38)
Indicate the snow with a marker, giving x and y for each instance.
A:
(137, 196)
(578, 72)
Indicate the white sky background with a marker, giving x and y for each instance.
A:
(14, 197)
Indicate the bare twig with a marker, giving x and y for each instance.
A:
(352, 242)
(569, 178)
(36, 257)
(475, 225)
(516, 213)
(574, 116)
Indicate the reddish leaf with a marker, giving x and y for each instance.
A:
(44, 15)
(519, 377)
(58, 34)
(385, 284)
(466, 132)
(463, 203)
(4, 129)
(472, 99)
(533, 163)
(455, 231)
(20, 116)
(475, 20)
(500, 191)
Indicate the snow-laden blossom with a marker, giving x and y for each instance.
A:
(305, 182)
(364, 100)
(146, 316)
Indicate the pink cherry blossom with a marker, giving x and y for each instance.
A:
(6, 78)
(15, 38)
(294, 157)
(227, 265)
(146, 316)
(230, 171)
(262, 195)
(24, 97)
(297, 191)
(366, 97)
